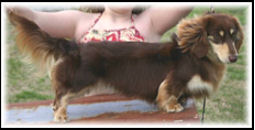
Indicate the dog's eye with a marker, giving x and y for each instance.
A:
(221, 33)
(214, 37)
(231, 31)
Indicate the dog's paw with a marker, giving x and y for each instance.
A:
(174, 108)
(60, 115)
(61, 119)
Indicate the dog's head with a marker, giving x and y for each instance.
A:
(212, 35)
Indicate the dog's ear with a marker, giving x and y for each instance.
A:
(192, 36)
(201, 46)
(240, 35)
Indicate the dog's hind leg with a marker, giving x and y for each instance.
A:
(60, 106)
(68, 81)
(167, 100)
(61, 86)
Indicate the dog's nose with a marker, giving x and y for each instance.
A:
(232, 58)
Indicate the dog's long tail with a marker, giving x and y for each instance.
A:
(42, 49)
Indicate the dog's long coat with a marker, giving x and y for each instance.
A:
(166, 73)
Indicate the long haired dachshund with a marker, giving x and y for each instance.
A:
(192, 65)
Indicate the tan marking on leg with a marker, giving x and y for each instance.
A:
(98, 88)
(60, 114)
(165, 101)
(173, 105)
(162, 95)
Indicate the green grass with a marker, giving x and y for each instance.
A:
(228, 104)
(25, 96)
(21, 78)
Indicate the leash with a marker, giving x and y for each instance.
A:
(203, 112)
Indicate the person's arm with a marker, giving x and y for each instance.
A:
(57, 24)
(163, 18)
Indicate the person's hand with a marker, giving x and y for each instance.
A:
(18, 10)
(12, 9)
(9, 9)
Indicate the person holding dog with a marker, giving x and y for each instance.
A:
(115, 23)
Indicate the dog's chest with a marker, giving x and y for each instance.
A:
(198, 87)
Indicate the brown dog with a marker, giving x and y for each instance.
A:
(192, 65)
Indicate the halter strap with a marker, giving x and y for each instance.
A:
(95, 22)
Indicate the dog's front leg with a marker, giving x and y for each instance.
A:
(167, 100)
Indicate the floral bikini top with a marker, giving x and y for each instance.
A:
(120, 35)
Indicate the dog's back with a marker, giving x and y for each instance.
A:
(126, 66)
